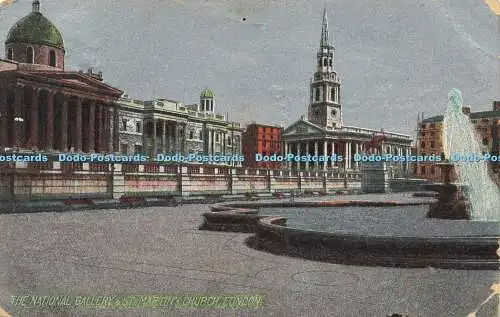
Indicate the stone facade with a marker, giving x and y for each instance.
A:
(430, 138)
(163, 126)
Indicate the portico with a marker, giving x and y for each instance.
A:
(51, 111)
(340, 145)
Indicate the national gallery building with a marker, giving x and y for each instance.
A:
(323, 132)
(44, 107)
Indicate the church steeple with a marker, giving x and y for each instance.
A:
(324, 30)
(324, 109)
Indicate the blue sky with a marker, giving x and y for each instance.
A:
(395, 57)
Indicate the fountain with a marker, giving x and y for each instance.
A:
(451, 203)
(463, 152)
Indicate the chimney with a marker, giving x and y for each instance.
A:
(466, 110)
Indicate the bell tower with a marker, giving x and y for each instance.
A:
(324, 107)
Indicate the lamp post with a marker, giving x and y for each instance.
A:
(18, 126)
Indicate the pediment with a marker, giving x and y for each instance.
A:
(77, 80)
(302, 127)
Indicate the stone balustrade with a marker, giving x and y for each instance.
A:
(54, 179)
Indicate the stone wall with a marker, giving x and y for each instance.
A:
(63, 180)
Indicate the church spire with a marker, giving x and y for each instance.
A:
(36, 6)
(324, 30)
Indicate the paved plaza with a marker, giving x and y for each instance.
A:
(160, 251)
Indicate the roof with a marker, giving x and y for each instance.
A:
(473, 115)
(433, 119)
(485, 114)
(35, 29)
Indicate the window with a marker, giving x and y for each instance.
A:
(432, 144)
(229, 141)
(10, 53)
(433, 170)
(331, 62)
(485, 141)
(124, 124)
(201, 135)
(30, 55)
(138, 127)
(422, 170)
(137, 149)
(317, 94)
(325, 62)
(191, 134)
(217, 137)
(332, 94)
(422, 145)
(334, 113)
(52, 58)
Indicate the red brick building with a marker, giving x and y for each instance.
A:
(45, 107)
(261, 139)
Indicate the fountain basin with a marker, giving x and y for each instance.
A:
(439, 247)
(450, 204)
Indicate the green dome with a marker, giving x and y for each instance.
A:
(207, 93)
(35, 29)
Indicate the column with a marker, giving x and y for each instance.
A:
(316, 164)
(298, 154)
(224, 144)
(116, 128)
(49, 138)
(288, 163)
(350, 155)
(78, 125)
(164, 136)
(332, 164)
(34, 119)
(154, 148)
(102, 128)
(99, 129)
(307, 152)
(91, 128)
(4, 124)
(325, 150)
(63, 146)
(346, 155)
(184, 138)
(406, 164)
(176, 140)
(212, 150)
(357, 152)
(209, 142)
(109, 139)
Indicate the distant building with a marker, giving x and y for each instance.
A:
(163, 126)
(430, 140)
(261, 139)
(324, 133)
